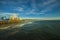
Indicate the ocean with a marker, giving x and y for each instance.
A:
(36, 30)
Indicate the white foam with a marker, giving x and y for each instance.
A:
(14, 26)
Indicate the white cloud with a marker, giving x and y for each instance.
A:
(32, 11)
(20, 9)
(47, 2)
(7, 14)
(49, 8)
(43, 11)
(46, 9)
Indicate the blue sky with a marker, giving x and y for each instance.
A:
(30, 8)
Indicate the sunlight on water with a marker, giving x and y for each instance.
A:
(20, 25)
(5, 27)
(15, 26)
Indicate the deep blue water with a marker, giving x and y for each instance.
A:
(38, 30)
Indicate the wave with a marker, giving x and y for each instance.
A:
(16, 26)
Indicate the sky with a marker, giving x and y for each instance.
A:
(30, 8)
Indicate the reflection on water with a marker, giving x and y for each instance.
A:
(14, 25)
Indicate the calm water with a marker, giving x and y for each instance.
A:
(38, 30)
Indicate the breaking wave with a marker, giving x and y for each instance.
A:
(16, 26)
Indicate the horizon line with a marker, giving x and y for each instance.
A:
(43, 18)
